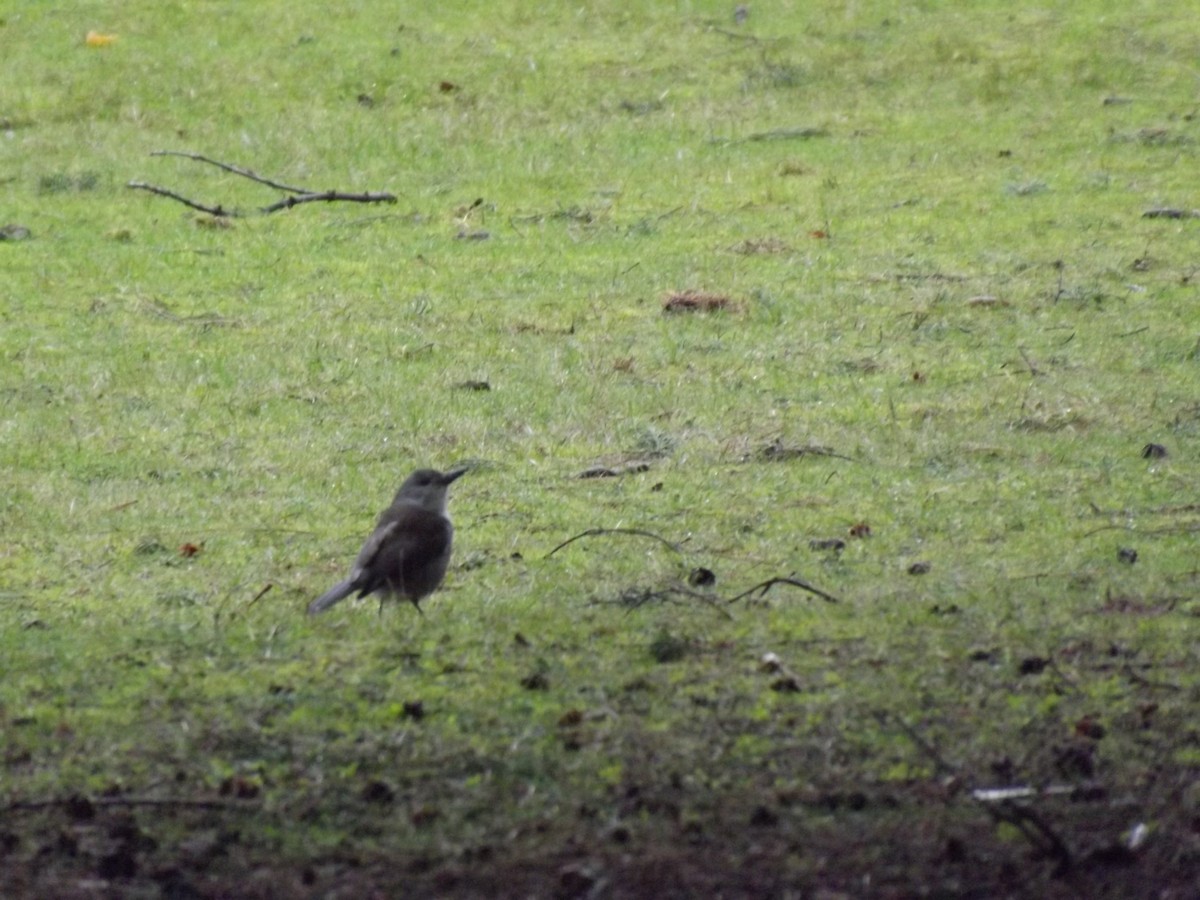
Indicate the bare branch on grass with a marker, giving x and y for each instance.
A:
(595, 532)
(790, 580)
(1033, 369)
(636, 598)
(1001, 806)
(260, 594)
(763, 586)
(296, 195)
(235, 613)
(328, 197)
(1171, 213)
(163, 192)
(1125, 334)
(230, 167)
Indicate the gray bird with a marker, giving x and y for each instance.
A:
(407, 553)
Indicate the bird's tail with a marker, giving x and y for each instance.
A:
(331, 596)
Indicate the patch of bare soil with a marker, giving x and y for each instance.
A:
(643, 840)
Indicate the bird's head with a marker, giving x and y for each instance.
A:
(428, 488)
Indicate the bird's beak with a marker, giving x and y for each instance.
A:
(455, 474)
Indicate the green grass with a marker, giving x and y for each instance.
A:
(929, 218)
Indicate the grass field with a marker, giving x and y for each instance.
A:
(952, 380)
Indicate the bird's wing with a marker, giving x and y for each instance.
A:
(366, 576)
(411, 557)
(427, 534)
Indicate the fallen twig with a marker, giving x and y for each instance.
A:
(230, 167)
(999, 806)
(1169, 213)
(791, 580)
(163, 192)
(328, 197)
(260, 594)
(1029, 792)
(297, 195)
(635, 598)
(1033, 369)
(591, 532)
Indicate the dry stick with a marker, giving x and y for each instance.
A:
(637, 598)
(300, 195)
(698, 595)
(260, 594)
(791, 580)
(328, 197)
(163, 192)
(1109, 528)
(1032, 826)
(235, 613)
(603, 531)
(645, 597)
(1033, 370)
(763, 586)
(236, 170)
(1163, 213)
